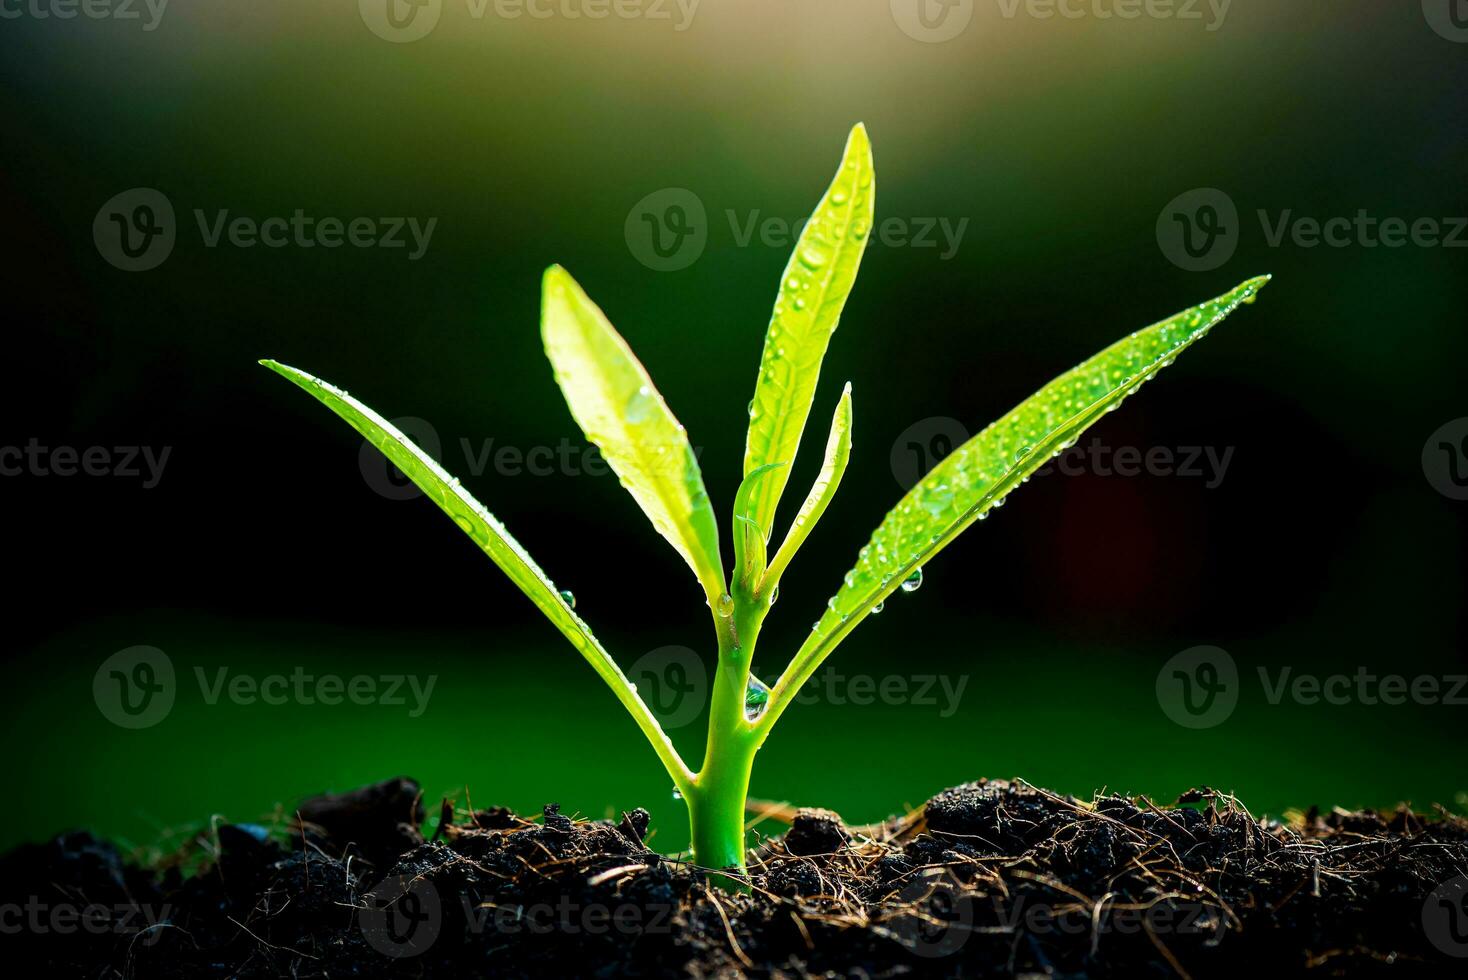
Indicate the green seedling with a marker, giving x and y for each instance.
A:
(621, 412)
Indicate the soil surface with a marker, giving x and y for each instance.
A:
(988, 879)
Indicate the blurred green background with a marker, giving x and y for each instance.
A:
(1058, 141)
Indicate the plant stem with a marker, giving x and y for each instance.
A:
(716, 802)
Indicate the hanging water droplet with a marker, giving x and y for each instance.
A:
(878, 608)
(756, 698)
(914, 581)
(774, 594)
(568, 597)
(751, 408)
(726, 605)
(677, 793)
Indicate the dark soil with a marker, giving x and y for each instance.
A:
(989, 879)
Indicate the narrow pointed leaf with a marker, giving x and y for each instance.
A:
(749, 537)
(492, 537)
(813, 293)
(618, 408)
(976, 477)
(838, 452)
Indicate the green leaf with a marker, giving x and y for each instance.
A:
(618, 408)
(492, 537)
(749, 537)
(812, 295)
(978, 475)
(838, 452)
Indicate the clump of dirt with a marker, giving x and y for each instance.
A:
(990, 878)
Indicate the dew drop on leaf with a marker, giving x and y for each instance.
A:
(878, 608)
(756, 698)
(726, 605)
(677, 793)
(913, 582)
(568, 597)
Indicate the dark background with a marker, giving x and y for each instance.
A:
(1325, 548)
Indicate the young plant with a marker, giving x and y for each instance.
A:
(618, 408)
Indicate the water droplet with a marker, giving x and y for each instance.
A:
(878, 608)
(774, 594)
(639, 406)
(914, 581)
(568, 597)
(751, 408)
(1021, 453)
(812, 258)
(838, 198)
(677, 793)
(799, 304)
(756, 698)
(726, 605)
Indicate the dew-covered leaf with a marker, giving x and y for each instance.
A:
(812, 294)
(618, 408)
(976, 477)
(833, 467)
(491, 536)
